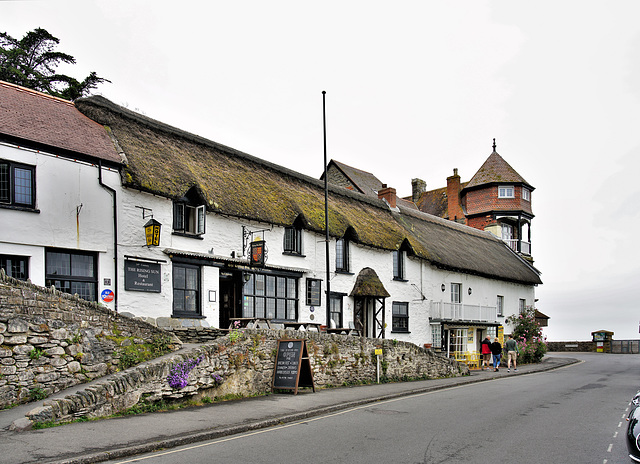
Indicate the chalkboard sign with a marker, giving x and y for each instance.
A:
(292, 368)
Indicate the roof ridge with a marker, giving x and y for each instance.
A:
(37, 93)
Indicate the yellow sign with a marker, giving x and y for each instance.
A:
(501, 334)
(378, 351)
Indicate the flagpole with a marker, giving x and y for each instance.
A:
(326, 210)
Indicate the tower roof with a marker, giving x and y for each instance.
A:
(496, 170)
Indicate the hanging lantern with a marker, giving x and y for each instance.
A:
(152, 232)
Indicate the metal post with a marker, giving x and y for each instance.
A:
(326, 208)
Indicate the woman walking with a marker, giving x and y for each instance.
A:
(496, 351)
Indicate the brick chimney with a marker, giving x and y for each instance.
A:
(389, 194)
(453, 197)
(418, 187)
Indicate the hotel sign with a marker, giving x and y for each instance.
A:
(142, 277)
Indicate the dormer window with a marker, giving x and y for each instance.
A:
(398, 265)
(526, 194)
(342, 255)
(506, 191)
(189, 214)
(292, 241)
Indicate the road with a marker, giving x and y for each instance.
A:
(571, 415)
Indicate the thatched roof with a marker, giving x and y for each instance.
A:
(166, 161)
(368, 284)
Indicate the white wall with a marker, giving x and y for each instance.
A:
(62, 186)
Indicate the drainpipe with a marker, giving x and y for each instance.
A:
(115, 234)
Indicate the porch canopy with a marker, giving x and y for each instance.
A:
(368, 290)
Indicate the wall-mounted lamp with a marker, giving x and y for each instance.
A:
(470, 291)
(443, 287)
(152, 232)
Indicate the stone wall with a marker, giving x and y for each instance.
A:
(243, 363)
(50, 340)
(575, 346)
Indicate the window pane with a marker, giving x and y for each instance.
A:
(178, 300)
(247, 307)
(4, 183)
(271, 308)
(82, 266)
(249, 284)
(281, 308)
(83, 289)
(260, 307)
(58, 263)
(22, 187)
(282, 286)
(291, 288)
(340, 254)
(259, 284)
(190, 301)
(271, 286)
(191, 279)
(179, 278)
(291, 309)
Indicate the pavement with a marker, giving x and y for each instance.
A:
(115, 438)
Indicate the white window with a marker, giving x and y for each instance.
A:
(436, 335)
(507, 232)
(522, 306)
(458, 340)
(505, 191)
(500, 305)
(526, 194)
(456, 293)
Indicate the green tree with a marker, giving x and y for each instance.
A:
(32, 61)
(528, 334)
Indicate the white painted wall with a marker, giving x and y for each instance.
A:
(62, 185)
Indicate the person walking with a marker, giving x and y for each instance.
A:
(511, 347)
(486, 352)
(496, 351)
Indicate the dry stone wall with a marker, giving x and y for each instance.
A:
(242, 364)
(50, 340)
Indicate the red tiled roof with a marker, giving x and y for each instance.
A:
(51, 123)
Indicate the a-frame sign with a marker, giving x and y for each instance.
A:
(292, 368)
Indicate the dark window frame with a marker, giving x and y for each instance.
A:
(400, 316)
(399, 265)
(188, 219)
(270, 296)
(335, 298)
(8, 263)
(292, 241)
(310, 301)
(178, 310)
(8, 193)
(66, 282)
(342, 255)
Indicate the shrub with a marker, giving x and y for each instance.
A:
(528, 334)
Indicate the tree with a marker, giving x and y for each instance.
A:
(528, 334)
(32, 61)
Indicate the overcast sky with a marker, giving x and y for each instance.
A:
(414, 89)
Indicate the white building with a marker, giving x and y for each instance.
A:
(394, 272)
(57, 220)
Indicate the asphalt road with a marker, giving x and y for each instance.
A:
(575, 414)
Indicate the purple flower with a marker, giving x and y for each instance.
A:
(179, 374)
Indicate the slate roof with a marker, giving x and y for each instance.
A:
(496, 170)
(364, 181)
(167, 161)
(42, 122)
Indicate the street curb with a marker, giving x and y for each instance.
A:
(195, 437)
